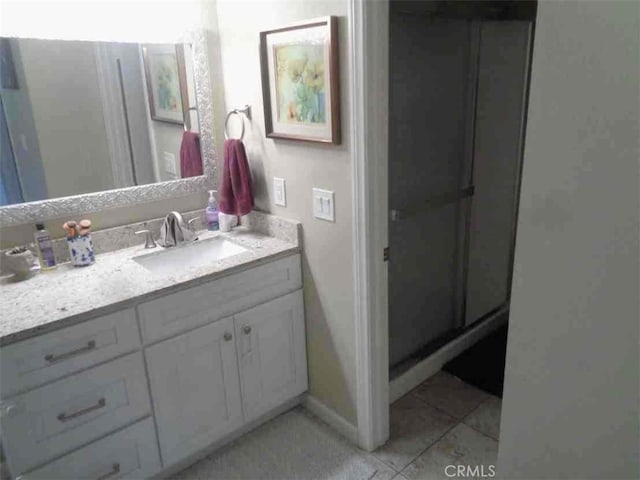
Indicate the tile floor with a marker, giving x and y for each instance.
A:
(442, 422)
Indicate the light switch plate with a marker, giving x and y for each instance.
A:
(279, 192)
(170, 163)
(323, 204)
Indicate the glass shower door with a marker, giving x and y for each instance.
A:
(431, 96)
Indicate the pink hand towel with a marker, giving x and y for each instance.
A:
(236, 191)
(190, 158)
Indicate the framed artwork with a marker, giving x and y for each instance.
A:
(300, 81)
(164, 69)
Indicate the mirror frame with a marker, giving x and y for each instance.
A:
(43, 210)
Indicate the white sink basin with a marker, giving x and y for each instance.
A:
(189, 255)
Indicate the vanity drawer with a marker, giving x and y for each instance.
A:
(30, 363)
(49, 421)
(130, 453)
(175, 313)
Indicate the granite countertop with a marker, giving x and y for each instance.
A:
(69, 295)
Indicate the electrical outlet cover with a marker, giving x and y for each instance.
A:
(170, 163)
(279, 192)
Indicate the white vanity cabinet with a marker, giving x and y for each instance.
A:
(99, 400)
(195, 388)
(206, 383)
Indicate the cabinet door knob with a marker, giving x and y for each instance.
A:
(246, 329)
(227, 336)
(7, 409)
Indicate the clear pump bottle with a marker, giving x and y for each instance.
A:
(44, 247)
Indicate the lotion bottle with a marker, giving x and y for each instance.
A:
(211, 213)
(44, 246)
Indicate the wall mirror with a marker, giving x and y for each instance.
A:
(90, 125)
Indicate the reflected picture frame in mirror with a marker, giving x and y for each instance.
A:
(43, 210)
(154, 56)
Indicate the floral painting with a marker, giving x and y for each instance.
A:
(165, 73)
(166, 80)
(300, 84)
(300, 81)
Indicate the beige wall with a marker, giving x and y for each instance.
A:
(327, 255)
(62, 81)
(570, 406)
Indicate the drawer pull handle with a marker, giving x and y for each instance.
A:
(65, 417)
(227, 337)
(91, 344)
(115, 470)
(246, 329)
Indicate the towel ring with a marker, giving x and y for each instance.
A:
(247, 112)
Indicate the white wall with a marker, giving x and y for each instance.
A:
(327, 263)
(570, 406)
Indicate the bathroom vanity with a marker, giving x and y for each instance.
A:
(121, 371)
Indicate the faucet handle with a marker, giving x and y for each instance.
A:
(149, 241)
(191, 222)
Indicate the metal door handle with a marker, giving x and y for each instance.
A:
(227, 336)
(433, 202)
(115, 469)
(91, 344)
(7, 409)
(246, 329)
(65, 417)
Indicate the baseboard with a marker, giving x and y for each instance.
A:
(331, 418)
(431, 365)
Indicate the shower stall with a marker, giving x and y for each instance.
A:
(458, 88)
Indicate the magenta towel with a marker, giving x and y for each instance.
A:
(190, 158)
(236, 190)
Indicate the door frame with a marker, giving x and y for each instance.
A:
(369, 38)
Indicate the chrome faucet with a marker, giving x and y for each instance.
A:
(174, 231)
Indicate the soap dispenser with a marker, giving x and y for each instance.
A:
(211, 212)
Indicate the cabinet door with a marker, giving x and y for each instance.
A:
(271, 353)
(195, 389)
